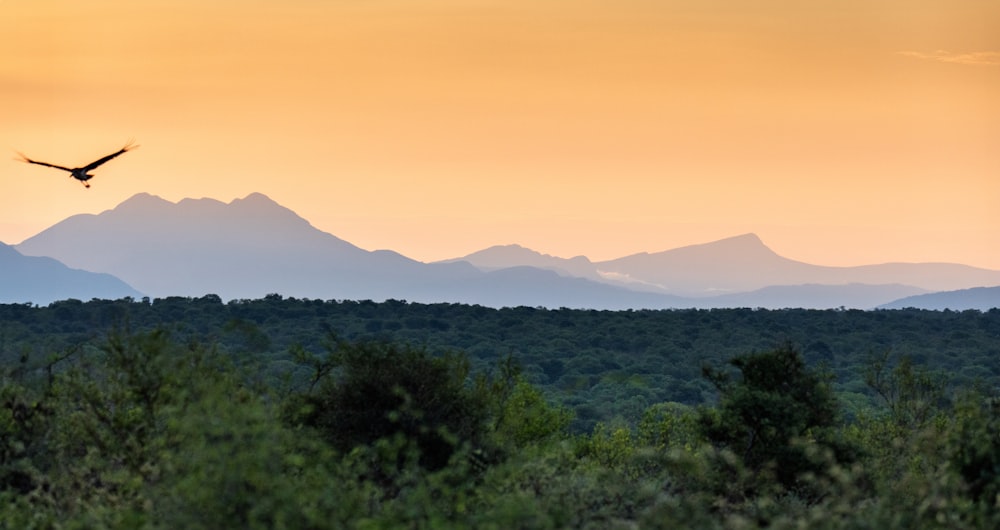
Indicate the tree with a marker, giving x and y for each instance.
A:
(912, 393)
(974, 447)
(385, 390)
(772, 414)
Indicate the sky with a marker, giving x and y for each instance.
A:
(842, 132)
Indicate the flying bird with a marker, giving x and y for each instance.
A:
(81, 173)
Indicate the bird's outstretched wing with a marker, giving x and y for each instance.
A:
(98, 162)
(30, 161)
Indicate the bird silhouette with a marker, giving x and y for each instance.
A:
(81, 173)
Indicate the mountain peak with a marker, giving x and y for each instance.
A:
(513, 255)
(250, 246)
(748, 240)
(737, 263)
(748, 237)
(256, 198)
(741, 247)
(146, 200)
(261, 206)
(141, 201)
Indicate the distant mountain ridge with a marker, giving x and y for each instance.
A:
(505, 256)
(42, 280)
(252, 247)
(813, 296)
(977, 298)
(247, 248)
(744, 263)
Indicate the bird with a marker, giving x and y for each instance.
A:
(81, 173)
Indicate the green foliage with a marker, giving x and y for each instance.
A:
(611, 447)
(912, 394)
(147, 433)
(605, 365)
(557, 487)
(526, 417)
(974, 447)
(670, 426)
(769, 416)
(384, 389)
(162, 428)
(237, 467)
(521, 415)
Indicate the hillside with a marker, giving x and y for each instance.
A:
(979, 298)
(251, 247)
(42, 280)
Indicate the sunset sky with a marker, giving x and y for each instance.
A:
(842, 132)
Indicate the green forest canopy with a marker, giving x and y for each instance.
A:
(283, 413)
(604, 365)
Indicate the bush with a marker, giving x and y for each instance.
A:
(382, 390)
(772, 415)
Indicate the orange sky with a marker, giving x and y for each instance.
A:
(842, 132)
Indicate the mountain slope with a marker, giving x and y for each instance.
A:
(245, 249)
(506, 256)
(252, 247)
(735, 264)
(533, 287)
(742, 271)
(743, 263)
(42, 280)
(812, 296)
(978, 298)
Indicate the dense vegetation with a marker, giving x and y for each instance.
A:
(607, 366)
(283, 413)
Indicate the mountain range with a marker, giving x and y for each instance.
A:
(734, 265)
(43, 280)
(253, 246)
(977, 298)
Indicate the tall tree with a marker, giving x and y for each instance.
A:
(770, 415)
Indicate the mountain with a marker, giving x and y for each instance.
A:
(813, 296)
(247, 248)
(978, 298)
(743, 263)
(506, 256)
(535, 287)
(42, 280)
(742, 271)
(253, 246)
(736, 264)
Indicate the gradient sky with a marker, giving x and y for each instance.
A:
(843, 132)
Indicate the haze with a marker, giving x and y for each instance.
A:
(842, 132)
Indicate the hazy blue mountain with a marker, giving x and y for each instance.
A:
(736, 264)
(41, 280)
(247, 248)
(979, 298)
(743, 263)
(252, 247)
(531, 286)
(506, 256)
(813, 296)
(743, 271)
(929, 276)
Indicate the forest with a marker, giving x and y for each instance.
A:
(293, 413)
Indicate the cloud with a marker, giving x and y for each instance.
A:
(991, 58)
(625, 277)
